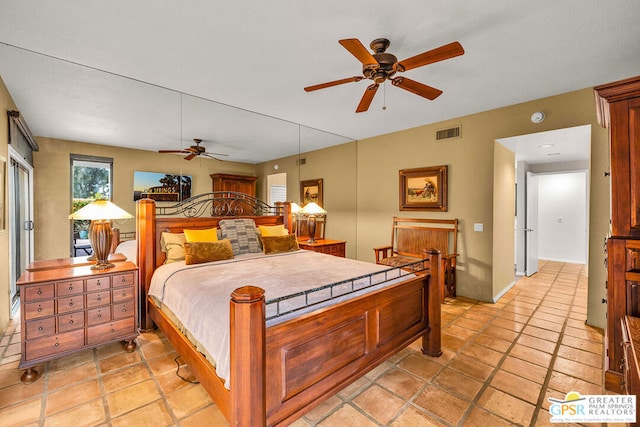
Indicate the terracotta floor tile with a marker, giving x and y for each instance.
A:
(471, 367)
(531, 355)
(154, 414)
(469, 324)
(459, 332)
(163, 363)
(545, 324)
(187, 399)
(86, 414)
(506, 406)
(507, 324)
(579, 370)
(483, 354)
(541, 333)
(379, 403)
(209, 416)
(412, 417)
(401, 383)
(132, 397)
(516, 317)
(501, 333)
(590, 346)
(156, 348)
(451, 342)
(72, 374)
(480, 417)
(20, 392)
(118, 361)
(581, 356)
(354, 388)
(537, 343)
(70, 396)
(493, 343)
(420, 366)
(21, 414)
(517, 386)
(324, 409)
(566, 383)
(480, 317)
(445, 405)
(590, 334)
(347, 415)
(458, 383)
(9, 377)
(524, 369)
(125, 377)
(378, 370)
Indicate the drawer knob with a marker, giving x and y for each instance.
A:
(99, 299)
(39, 292)
(39, 328)
(124, 309)
(99, 316)
(71, 322)
(70, 287)
(39, 309)
(99, 284)
(56, 344)
(123, 279)
(71, 304)
(113, 330)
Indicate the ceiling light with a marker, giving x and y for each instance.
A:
(537, 117)
(546, 145)
(553, 154)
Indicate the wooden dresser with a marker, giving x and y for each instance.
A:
(71, 308)
(325, 246)
(618, 108)
(237, 183)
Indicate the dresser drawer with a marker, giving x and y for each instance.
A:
(74, 287)
(98, 315)
(35, 310)
(40, 328)
(98, 284)
(68, 304)
(71, 321)
(54, 344)
(97, 299)
(35, 293)
(125, 279)
(123, 310)
(110, 331)
(122, 294)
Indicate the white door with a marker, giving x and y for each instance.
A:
(531, 225)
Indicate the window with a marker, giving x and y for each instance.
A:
(91, 179)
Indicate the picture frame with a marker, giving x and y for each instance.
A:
(311, 191)
(162, 187)
(424, 189)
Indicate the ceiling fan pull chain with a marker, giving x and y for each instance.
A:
(384, 96)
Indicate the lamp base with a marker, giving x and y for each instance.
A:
(100, 239)
(102, 266)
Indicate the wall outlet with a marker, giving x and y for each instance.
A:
(478, 227)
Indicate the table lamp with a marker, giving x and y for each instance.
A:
(312, 210)
(100, 212)
(295, 211)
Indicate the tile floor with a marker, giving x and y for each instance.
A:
(500, 364)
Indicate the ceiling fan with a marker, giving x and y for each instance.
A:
(382, 66)
(194, 151)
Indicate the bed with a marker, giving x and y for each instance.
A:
(282, 363)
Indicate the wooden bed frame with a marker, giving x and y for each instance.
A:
(283, 371)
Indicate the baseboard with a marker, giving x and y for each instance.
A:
(504, 291)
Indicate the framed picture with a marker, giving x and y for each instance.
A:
(311, 191)
(423, 189)
(162, 187)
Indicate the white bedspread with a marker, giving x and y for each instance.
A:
(199, 294)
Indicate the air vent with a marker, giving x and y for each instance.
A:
(301, 162)
(450, 133)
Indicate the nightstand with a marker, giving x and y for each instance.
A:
(325, 246)
(71, 308)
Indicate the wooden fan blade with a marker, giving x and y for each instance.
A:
(172, 151)
(190, 156)
(438, 54)
(361, 53)
(417, 88)
(369, 93)
(213, 157)
(333, 83)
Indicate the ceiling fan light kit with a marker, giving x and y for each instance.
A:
(382, 66)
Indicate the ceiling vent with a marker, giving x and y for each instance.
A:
(449, 133)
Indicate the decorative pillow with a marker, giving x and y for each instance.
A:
(173, 245)
(199, 252)
(278, 244)
(273, 230)
(208, 235)
(242, 233)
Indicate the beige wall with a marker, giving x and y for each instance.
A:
(361, 187)
(52, 185)
(6, 104)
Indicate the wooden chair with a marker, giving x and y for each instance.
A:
(411, 237)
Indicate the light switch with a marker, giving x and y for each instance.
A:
(478, 227)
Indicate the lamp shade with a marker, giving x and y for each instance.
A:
(313, 208)
(100, 209)
(295, 208)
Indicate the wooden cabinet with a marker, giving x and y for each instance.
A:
(631, 351)
(71, 308)
(237, 183)
(618, 108)
(325, 246)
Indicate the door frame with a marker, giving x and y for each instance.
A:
(15, 156)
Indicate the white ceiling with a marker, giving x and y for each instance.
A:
(560, 145)
(143, 74)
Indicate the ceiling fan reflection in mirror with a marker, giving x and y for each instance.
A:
(381, 66)
(195, 151)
